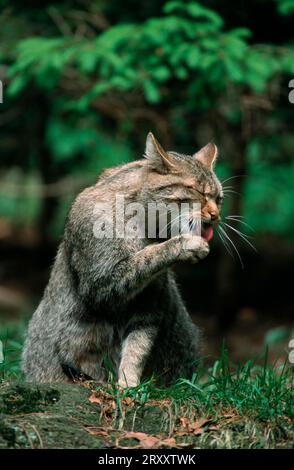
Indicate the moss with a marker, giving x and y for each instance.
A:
(23, 398)
(7, 435)
(49, 416)
(148, 419)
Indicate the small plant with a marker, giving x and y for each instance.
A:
(262, 392)
(11, 341)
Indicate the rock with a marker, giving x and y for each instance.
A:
(47, 416)
(67, 416)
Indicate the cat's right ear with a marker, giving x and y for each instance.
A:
(158, 158)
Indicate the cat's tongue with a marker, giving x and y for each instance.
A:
(207, 232)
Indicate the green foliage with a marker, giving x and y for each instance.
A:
(286, 7)
(189, 39)
(11, 337)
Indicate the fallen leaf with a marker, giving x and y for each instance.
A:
(106, 402)
(195, 427)
(184, 421)
(170, 441)
(128, 401)
(146, 440)
(94, 399)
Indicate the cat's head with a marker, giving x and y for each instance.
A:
(176, 178)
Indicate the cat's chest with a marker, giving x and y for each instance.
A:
(153, 300)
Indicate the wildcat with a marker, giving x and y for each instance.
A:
(116, 299)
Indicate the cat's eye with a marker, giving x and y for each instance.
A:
(202, 193)
(219, 200)
(168, 190)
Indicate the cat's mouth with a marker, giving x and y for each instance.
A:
(206, 231)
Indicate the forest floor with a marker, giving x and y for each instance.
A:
(225, 407)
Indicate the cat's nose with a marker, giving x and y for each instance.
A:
(214, 215)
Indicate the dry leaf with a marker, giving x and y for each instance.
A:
(106, 402)
(170, 441)
(195, 427)
(94, 399)
(184, 421)
(146, 440)
(128, 401)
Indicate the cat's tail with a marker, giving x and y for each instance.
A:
(74, 373)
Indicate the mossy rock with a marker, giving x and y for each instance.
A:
(148, 419)
(49, 416)
(22, 398)
(62, 416)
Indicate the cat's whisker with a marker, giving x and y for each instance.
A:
(232, 191)
(224, 188)
(237, 230)
(241, 235)
(169, 224)
(232, 177)
(196, 226)
(227, 247)
(235, 219)
(237, 216)
(187, 228)
(183, 228)
(233, 244)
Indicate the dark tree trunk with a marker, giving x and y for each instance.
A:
(229, 284)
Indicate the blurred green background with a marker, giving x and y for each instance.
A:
(83, 83)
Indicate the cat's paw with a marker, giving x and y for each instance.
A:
(193, 248)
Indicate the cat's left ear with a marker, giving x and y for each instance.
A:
(207, 155)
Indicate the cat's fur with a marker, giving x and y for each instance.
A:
(117, 298)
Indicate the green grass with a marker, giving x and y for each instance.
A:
(11, 337)
(249, 405)
(265, 392)
(225, 406)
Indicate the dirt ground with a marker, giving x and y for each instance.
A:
(78, 417)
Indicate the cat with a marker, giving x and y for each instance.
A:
(114, 300)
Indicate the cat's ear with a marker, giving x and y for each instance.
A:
(207, 155)
(159, 159)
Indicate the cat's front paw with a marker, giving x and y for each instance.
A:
(193, 248)
(124, 383)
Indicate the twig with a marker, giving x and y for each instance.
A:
(60, 188)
